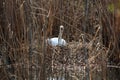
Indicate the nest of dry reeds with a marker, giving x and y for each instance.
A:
(71, 59)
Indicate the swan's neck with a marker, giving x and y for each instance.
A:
(60, 37)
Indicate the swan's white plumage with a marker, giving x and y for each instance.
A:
(57, 40)
(54, 42)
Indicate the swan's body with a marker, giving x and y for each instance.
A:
(57, 40)
(54, 42)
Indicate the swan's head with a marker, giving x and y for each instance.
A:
(61, 29)
(61, 26)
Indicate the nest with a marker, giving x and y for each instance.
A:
(75, 58)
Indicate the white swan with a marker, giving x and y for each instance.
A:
(57, 40)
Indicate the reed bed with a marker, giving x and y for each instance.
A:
(91, 31)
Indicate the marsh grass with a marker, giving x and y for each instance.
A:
(93, 40)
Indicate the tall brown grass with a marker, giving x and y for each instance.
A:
(25, 25)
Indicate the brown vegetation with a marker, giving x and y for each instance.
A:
(92, 33)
